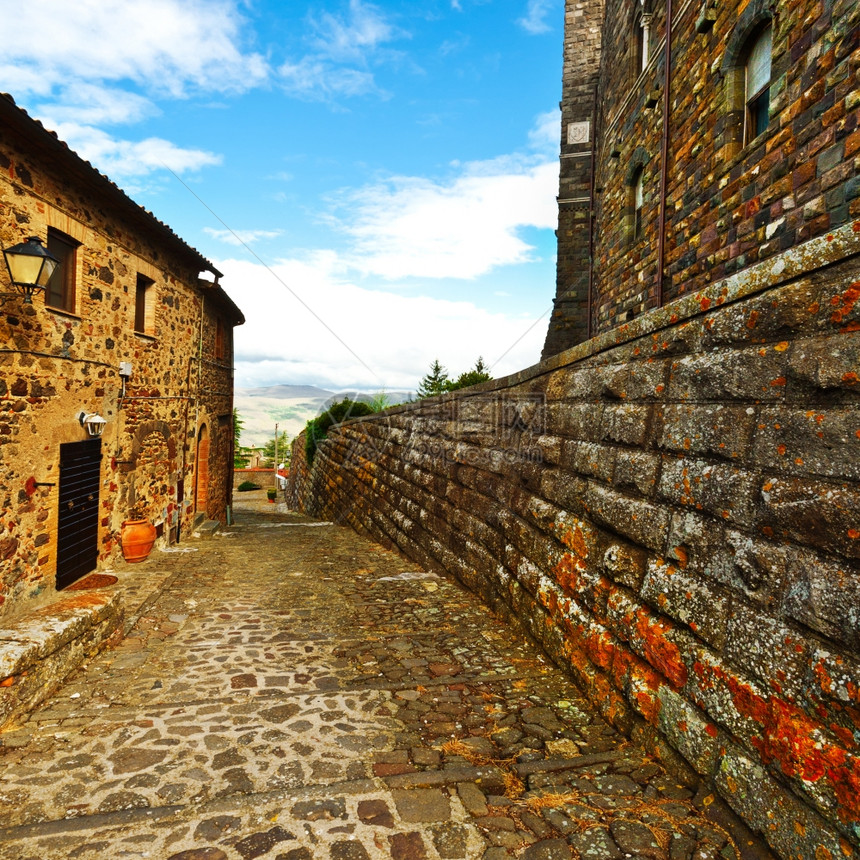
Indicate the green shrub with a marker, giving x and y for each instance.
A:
(248, 485)
(318, 427)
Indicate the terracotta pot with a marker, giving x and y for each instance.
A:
(138, 536)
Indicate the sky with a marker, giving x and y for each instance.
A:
(376, 181)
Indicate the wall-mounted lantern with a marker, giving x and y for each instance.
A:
(30, 266)
(92, 422)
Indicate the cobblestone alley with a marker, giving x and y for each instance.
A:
(290, 690)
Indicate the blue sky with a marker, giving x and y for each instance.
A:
(391, 166)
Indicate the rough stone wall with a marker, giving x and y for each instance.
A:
(673, 510)
(728, 205)
(569, 323)
(55, 364)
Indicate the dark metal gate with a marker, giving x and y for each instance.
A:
(78, 521)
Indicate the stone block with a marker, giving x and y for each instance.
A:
(809, 441)
(767, 649)
(721, 489)
(824, 595)
(629, 424)
(636, 470)
(778, 315)
(636, 380)
(642, 523)
(575, 420)
(693, 600)
(824, 516)
(827, 363)
(690, 732)
(791, 828)
(725, 431)
(754, 373)
(593, 460)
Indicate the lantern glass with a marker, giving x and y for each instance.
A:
(30, 265)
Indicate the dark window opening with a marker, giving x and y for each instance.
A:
(757, 74)
(142, 303)
(60, 293)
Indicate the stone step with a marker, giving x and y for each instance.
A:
(206, 529)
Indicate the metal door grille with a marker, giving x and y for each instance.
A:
(78, 521)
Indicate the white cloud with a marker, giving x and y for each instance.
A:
(317, 79)
(394, 336)
(125, 158)
(241, 237)
(352, 39)
(415, 227)
(165, 46)
(343, 51)
(534, 21)
(546, 132)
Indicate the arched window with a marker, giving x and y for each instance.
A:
(746, 71)
(641, 41)
(757, 89)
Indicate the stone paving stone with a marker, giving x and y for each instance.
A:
(301, 693)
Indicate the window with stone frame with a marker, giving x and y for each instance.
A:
(641, 38)
(144, 305)
(62, 287)
(746, 70)
(757, 70)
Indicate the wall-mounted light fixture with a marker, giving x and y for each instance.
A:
(92, 422)
(30, 266)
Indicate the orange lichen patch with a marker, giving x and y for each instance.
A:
(753, 319)
(844, 304)
(778, 382)
(849, 378)
(711, 729)
(8, 682)
(781, 449)
(682, 555)
(853, 534)
(663, 654)
(782, 346)
(567, 575)
(705, 303)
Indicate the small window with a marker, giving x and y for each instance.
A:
(757, 88)
(60, 293)
(638, 202)
(219, 338)
(143, 296)
(641, 42)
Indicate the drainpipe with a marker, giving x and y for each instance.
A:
(664, 156)
(591, 205)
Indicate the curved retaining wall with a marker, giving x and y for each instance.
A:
(673, 511)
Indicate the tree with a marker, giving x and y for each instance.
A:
(283, 451)
(435, 382)
(479, 373)
(240, 460)
(317, 428)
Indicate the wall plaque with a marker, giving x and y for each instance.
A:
(578, 132)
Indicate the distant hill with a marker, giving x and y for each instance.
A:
(290, 406)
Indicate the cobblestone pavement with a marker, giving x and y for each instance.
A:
(294, 691)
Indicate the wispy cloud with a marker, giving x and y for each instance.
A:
(163, 46)
(123, 159)
(344, 50)
(535, 19)
(460, 227)
(241, 237)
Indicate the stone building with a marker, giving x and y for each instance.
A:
(676, 175)
(126, 330)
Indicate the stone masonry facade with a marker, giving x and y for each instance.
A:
(732, 198)
(136, 297)
(673, 510)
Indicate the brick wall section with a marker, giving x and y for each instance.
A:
(728, 205)
(55, 364)
(569, 323)
(680, 527)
